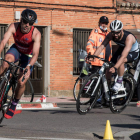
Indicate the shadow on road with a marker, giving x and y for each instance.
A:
(135, 116)
(2, 125)
(135, 136)
(52, 111)
(133, 126)
(97, 136)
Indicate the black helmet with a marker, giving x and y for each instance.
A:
(29, 15)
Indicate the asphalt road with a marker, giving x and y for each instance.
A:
(66, 124)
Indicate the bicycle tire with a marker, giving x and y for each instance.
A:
(29, 91)
(3, 85)
(77, 86)
(85, 101)
(119, 104)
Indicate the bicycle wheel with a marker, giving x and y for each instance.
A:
(120, 101)
(29, 91)
(77, 86)
(3, 85)
(88, 94)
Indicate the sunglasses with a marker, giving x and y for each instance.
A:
(115, 33)
(25, 22)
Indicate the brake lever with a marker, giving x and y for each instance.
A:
(24, 74)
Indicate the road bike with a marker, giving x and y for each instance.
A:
(8, 82)
(83, 66)
(94, 83)
(80, 80)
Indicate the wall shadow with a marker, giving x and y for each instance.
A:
(58, 33)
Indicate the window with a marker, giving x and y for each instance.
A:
(80, 38)
(3, 29)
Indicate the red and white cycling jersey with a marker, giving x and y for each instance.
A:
(24, 42)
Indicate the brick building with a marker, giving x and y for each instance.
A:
(65, 26)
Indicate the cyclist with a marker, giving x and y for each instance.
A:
(95, 40)
(128, 50)
(26, 47)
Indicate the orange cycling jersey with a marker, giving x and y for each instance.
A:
(95, 40)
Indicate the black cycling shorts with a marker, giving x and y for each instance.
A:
(132, 56)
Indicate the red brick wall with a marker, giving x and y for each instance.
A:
(63, 16)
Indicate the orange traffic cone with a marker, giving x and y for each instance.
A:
(108, 132)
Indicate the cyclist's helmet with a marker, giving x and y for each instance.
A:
(116, 25)
(29, 15)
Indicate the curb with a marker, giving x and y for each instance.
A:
(36, 106)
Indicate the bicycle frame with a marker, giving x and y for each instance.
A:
(102, 78)
(11, 82)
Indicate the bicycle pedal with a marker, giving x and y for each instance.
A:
(8, 99)
(116, 92)
(5, 107)
(121, 89)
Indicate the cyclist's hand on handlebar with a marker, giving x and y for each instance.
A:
(89, 60)
(112, 70)
(27, 74)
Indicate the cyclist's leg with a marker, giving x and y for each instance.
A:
(11, 56)
(25, 60)
(20, 87)
(18, 93)
(15, 57)
(116, 55)
(132, 56)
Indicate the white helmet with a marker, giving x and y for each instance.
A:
(116, 25)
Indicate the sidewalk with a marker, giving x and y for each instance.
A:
(51, 99)
(51, 103)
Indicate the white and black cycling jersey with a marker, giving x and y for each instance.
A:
(121, 42)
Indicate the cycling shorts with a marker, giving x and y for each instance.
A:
(132, 56)
(25, 59)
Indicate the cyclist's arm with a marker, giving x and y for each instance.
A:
(128, 45)
(7, 35)
(103, 45)
(36, 47)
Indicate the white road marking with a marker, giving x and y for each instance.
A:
(50, 138)
(37, 138)
(11, 139)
